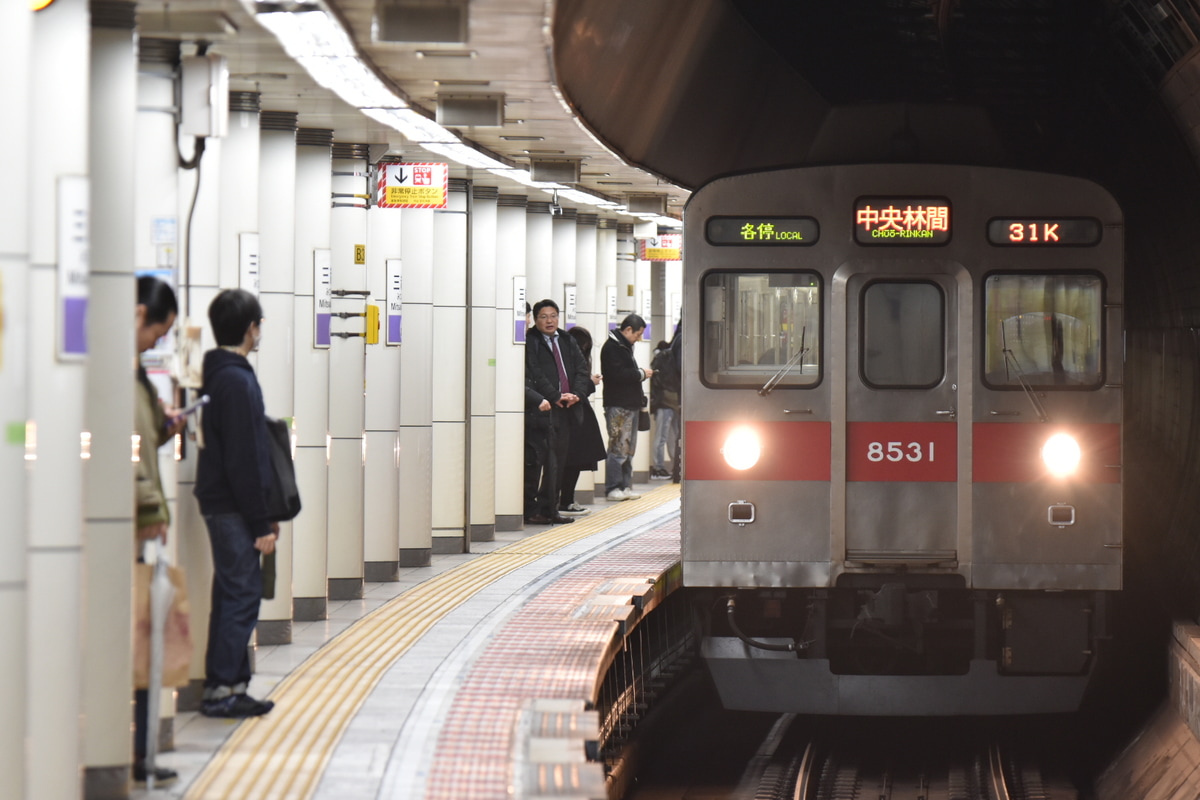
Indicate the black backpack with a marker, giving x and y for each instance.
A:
(283, 496)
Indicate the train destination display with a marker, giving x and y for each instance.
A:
(1044, 231)
(760, 231)
(902, 220)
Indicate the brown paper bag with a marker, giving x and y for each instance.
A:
(177, 642)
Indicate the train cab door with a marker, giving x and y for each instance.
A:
(901, 420)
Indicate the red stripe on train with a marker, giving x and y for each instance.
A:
(1012, 452)
(902, 451)
(791, 451)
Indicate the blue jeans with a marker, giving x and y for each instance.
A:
(236, 596)
(666, 431)
(622, 441)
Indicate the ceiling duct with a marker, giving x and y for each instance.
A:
(554, 170)
(470, 110)
(646, 203)
(421, 21)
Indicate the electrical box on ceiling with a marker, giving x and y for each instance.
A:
(470, 110)
(204, 95)
(646, 203)
(421, 21)
(554, 170)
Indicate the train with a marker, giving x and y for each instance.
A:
(902, 437)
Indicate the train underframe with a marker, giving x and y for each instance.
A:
(902, 644)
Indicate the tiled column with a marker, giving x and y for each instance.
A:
(449, 387)
(57, 395)
(643, 306)
(381, 499)
(16, 20)
(510, 363)
(109, 498)
(276, 363)
(539, 254)
(314, 180)
(348, 242)
(609, 292)
(589, 310)
(562, 261)
(417, 390)
(482, 366)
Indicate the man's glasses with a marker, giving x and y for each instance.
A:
(547, 316)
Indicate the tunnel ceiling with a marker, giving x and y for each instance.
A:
(746, 84)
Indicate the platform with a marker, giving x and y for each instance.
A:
(419, 689)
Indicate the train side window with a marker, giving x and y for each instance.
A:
(903, 335)
(757, 324)
(1044, 330)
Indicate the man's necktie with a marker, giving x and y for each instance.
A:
(564, 385)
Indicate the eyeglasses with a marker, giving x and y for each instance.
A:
(547, 316)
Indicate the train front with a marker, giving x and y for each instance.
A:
(902, 437)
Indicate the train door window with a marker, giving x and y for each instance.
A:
(761, 324)
(903, 335)
(1043, 331)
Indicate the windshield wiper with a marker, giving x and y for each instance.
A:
(1038, 408)
(774, 380)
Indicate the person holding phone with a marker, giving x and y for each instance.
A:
(155, 425)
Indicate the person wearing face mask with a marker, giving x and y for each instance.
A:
(232, 477)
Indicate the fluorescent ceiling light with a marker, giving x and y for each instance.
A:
(465, 155)
(352, 81)
(308, 33)
(577, 196)
(522, 177)
(415, 126)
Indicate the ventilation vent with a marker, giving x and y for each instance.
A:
(421, 21)
(470, 110)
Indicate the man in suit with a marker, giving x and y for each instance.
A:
(556, 378)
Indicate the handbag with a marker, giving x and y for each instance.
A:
(177, 633)
(643, 420)
(283, 496)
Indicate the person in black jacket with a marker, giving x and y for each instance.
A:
(623, 400)
(232, 477)
(587, 443)
(556, 377)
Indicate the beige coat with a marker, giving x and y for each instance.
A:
(150, 424)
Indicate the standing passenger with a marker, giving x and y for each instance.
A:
(232, 477)
(156, 310)
(587, 445)
(555, 379)
(623, 400)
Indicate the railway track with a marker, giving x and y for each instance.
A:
(868, 772)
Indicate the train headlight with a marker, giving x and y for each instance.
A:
(742, 448)
(1061, 454)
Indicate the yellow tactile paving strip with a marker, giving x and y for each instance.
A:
(284, 754)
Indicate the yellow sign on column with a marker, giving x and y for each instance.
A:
(360, 254)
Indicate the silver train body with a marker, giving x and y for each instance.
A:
(902, 437)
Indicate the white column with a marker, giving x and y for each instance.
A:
(510, 363)
(608, 297)
(199, 282)
(276, 363)
(417, 390)
(482, 365)
(309, 530)
(381, 487)
(109, 498)
(16, 20)
(58, 153)
(539, 255)
(562, 258)
(643, 351)
(348, 242)
(589, 310)
(449, 386)
(238, 205)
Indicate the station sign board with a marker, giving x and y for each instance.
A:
(423, 185)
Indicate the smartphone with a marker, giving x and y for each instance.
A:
(194, 406)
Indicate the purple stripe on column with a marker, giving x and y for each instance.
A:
(75, 325)
(323, 336)
(519, 331)
(394, 329)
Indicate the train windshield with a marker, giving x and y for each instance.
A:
(756, 324)
(1043, 331)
